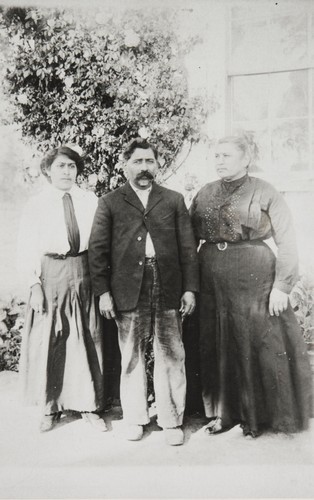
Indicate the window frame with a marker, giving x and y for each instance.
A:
(302, 180)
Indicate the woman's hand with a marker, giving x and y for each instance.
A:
(187, 304)
(278, 302)
(37, 300)
(106, 306)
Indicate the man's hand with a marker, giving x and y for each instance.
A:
(278, 302)
(106, 305)
(187, 304)
(37, 300)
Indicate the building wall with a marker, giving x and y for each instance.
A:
(221, 60)
(208, 68)
(14, 192)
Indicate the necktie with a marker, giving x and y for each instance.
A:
(71, 224)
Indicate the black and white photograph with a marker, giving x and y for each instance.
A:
(157, 249)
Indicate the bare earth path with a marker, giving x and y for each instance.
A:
(75, 461)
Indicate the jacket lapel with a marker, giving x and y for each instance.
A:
(131, 197)
(154, 197)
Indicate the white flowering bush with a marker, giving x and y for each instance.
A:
(302, 301)
(97, 82)
(12, 312)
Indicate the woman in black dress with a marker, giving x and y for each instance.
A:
(254, 364)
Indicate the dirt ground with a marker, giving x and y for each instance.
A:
(76, 461)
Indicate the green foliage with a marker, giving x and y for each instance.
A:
(302, 300)
(11, 324)
(97, 82)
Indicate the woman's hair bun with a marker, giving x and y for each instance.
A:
(244, 140)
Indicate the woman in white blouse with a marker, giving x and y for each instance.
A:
(61, 364)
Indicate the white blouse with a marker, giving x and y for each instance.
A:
(43, 229)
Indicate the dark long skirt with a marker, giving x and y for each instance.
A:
(61, 364)
(254, 367)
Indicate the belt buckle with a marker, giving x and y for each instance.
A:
(150, 259)
(222, 246)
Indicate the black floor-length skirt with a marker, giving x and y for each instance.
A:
(254, 367)
(61, 365)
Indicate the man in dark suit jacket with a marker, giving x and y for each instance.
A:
(144, 269)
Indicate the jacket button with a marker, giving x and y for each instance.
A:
(139, 238)
(140, 262)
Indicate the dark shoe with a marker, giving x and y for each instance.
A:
(134, 432)
(174, 436)
(247, 432)
(95, 421)
(49, 421)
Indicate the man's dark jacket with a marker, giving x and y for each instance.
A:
(117, 245)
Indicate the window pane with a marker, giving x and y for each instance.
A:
(312, 41)
(290, 145)
(270, 42)
(250, 96)
(251, 10)
(289, 94)
(289, 40)
(249, 46)
(312, 78)
(312, 144)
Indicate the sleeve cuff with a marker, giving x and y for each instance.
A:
(100, 291)
(34, 281)
(283, 287)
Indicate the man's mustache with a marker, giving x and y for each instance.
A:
(145, 174)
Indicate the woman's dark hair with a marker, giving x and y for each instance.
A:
(50, 157)
(138, 143)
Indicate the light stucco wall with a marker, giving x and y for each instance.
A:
(206, 69)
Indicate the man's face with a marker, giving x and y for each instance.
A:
(142, 168)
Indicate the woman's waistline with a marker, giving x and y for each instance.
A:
(63, 256)
(223, 245)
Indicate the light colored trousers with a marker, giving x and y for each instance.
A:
(150, 318)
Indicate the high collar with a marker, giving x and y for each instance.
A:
(127, 188)
(59, 193)
(132, 198)
(232, 185)
(136, 189)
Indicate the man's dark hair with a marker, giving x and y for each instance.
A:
(138, 143)
(62, 150)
